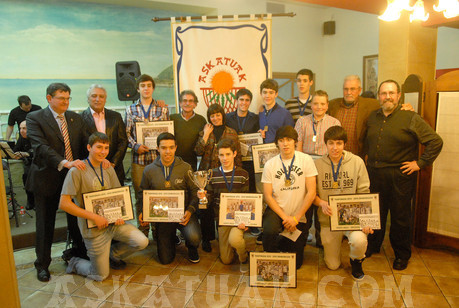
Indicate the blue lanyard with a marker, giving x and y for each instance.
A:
(229, 187)
(168, 177)
(287, 175)
(268, 114)
(313, 127)
(305, 104)
(335, 175)
(243, 122)
(146, 115)
(101, 181)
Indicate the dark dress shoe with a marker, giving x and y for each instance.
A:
(206, 246)
(43, 275)
(400, 264)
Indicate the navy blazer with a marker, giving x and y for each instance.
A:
(48, 145)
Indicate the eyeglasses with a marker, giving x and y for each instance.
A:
(62, 99)
(388, 93)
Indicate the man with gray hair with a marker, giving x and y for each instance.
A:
(352, 110)
(109, 122)
(187, 125)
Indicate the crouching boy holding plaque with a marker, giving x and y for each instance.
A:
(169, 172)
(228, 178)
(340, 172)
(102, 253)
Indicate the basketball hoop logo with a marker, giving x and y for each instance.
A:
(218, 80)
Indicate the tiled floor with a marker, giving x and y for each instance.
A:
(431, 280)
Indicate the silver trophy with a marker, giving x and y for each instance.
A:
(200, 179)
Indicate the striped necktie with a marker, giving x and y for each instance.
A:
(65, 134)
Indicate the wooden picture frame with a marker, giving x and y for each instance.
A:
(354, 211)
(262, 153)
(163, 205)
(236, 208)
(272, 269)
(147, 132)
(370, 74)
(247, 141)
(109, 203)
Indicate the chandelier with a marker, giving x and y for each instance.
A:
(450, 9)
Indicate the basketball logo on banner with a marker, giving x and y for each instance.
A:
(217, 59)
(220, 77)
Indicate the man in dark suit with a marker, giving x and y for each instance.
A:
(59, 139)
(109, 122)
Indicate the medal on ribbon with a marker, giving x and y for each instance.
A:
(288, 180)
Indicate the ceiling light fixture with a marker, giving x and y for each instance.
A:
(450, 9)
(418, 12)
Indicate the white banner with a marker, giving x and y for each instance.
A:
(216, 59)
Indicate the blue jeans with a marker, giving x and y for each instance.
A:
(165, 235)
(100, 249)
(273, 242)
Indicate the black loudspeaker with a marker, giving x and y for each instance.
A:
(126, 74)
(329, 27)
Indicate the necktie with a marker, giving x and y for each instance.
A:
(65, 134)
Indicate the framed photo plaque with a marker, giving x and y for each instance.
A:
(241, 208)
(247, 141)
(163, 205)
(261, 154)
(272, 269)
(147, 132)
(110, 203)
(354, 212)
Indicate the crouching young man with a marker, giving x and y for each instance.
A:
(98, 241)
(340, 172)
(169, 172)
(289, 187)
(228, 178)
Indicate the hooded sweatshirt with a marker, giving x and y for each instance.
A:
(352, 178)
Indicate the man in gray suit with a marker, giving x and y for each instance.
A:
(109, 122)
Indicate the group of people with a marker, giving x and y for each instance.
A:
(318, 140)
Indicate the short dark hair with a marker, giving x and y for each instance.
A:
(188, 92)
(144, 78)
(57, 86)
(335, 133)
(269, 84)
(389, 81)
(321, 93)
(243, 92)
(98, 137)
(24, 100)
(305, 71)
(165, 136)
(215, 108)
(225, 144)
(286, 132)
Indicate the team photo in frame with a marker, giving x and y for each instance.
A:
(147, 132)
(354, 212)
(112, 204)
(163, 205)
(272, 269)
(262, 153)
(237, 208)
(247, 141)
